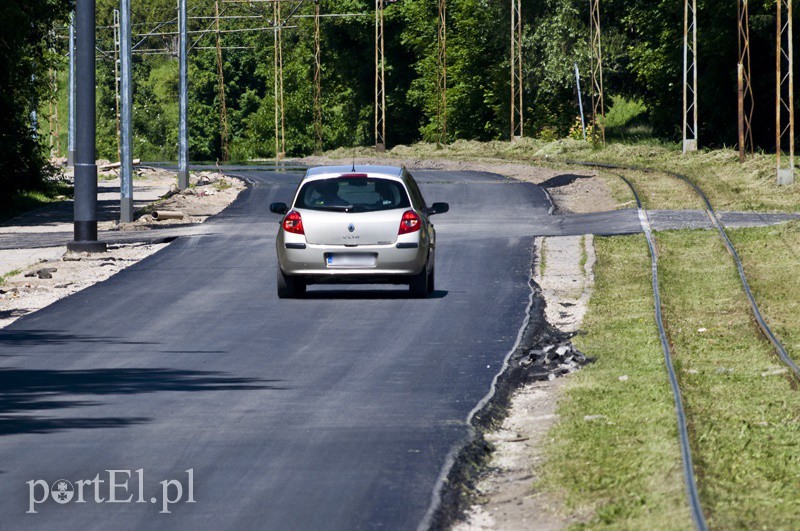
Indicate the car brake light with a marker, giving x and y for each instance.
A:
(410, 222)
(356, 175)
(293, 223)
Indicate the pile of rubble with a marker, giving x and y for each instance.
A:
(553, 355)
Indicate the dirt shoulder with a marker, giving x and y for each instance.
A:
(33, 278)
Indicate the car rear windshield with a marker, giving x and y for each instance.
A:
(352, 194)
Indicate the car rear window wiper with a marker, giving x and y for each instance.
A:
(335, 208)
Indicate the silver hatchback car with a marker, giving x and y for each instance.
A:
(356, 224)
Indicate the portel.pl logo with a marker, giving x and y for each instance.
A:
(118, 487)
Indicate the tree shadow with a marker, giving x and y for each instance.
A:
(32, 338)
(564, 179)
(23, 391)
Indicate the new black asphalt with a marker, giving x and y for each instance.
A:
(337, 411)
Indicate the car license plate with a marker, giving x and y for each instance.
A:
(356, 260)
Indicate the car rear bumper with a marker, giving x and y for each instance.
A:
(391, 262)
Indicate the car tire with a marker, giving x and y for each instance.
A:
(432, 280)
(290, 287)
(418, 285)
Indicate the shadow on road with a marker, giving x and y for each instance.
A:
(374, 294)
(26, 391)
(32, 338)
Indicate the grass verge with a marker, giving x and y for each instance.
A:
(622, 469)
(743, 408)
(770, 256)
(614, 454)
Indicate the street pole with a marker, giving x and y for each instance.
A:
(85, 214)
(183, 101)
(126, 122)
(71, 127)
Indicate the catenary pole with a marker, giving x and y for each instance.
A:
(126, 110)
(85, 209)
(183, 100)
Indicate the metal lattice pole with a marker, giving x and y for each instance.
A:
(380, 87)
(598, 103)
(516, 70)
(784, 98)
(280, 136)
(317, 82)
(441, 73)
(746, 102)
(689, 75)
(223, 110)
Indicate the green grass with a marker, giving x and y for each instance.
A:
(729, 184)
(8, 275)
(770, 256)
(745, 420)
(623, 470)
(543, 257)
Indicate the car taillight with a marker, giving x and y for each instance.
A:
(410, 222)
(293, 223)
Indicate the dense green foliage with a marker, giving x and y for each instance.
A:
(642, 52)
(25, 42)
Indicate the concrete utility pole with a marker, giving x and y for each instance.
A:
(441, 73)
(380, 86)
(85, 217)
(689, 75)
(746, 102)
(183, 99)
(126, 108)
(784, 88)
(598, 103)
(516, 70)
(71, 96)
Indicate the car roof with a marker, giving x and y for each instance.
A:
(391, 171)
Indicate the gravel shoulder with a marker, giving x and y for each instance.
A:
(507, 497)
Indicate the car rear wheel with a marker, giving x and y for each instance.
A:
(290, 287)
(418, 286)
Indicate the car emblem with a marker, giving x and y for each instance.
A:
(351, 227)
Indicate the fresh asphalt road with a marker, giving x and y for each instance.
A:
(337, 411)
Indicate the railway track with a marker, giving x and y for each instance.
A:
(688, 465)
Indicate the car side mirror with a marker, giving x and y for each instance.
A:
(438, 208)
(278, 208)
